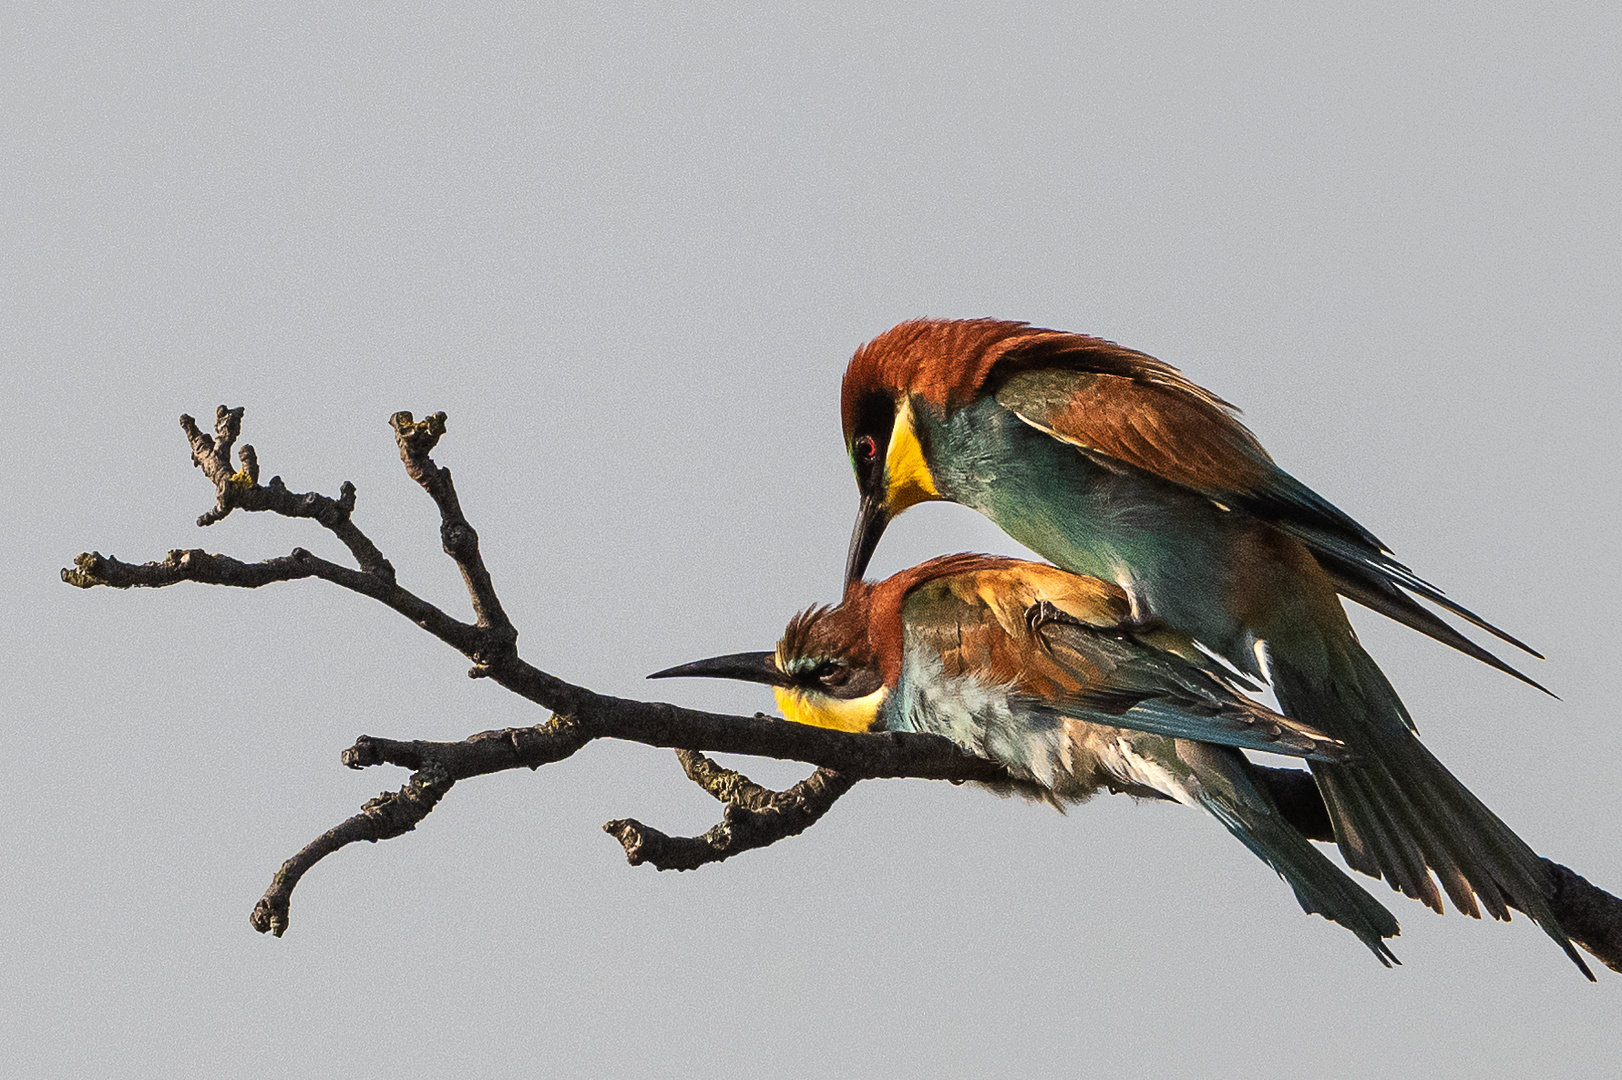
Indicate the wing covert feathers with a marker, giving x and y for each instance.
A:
(1063, 646)
(1161, 428)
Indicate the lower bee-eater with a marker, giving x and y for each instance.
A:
(1110, 463)
(1045, 672)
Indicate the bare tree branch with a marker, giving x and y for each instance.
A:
(242, 490)
(753, 817)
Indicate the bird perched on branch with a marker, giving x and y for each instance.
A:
(1110, 463)
(1046, 673)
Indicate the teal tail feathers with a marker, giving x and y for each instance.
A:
(1228, 792)
(1397, 811)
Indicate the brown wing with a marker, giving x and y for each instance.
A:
(1170, 429)
(1056, 641)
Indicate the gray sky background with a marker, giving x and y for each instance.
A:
(628, 248)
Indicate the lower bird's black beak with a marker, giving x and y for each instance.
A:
(758, 667)
(871, 520)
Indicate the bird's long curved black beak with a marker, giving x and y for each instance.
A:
(871, 521)
(758, 667)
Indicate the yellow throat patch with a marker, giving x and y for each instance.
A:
(820, 710)
(904, 465)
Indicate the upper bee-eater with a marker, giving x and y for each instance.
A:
(1110, 463)
(1045, 672)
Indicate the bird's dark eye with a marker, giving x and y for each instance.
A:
(832, 673)
(867, 448)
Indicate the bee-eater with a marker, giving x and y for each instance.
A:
(1110, 463)
(1046, 673)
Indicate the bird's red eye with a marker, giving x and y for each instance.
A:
(867, 448)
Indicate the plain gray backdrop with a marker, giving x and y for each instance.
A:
(628, 248)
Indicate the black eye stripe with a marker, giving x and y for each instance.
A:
(875, 417)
